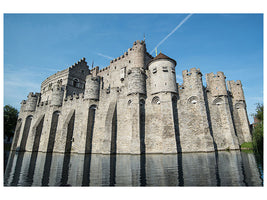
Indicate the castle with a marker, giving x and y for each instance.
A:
(133, 106)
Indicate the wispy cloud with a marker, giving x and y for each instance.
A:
(175, 29)
(105, 56)
(21, 79)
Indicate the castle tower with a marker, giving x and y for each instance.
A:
(136, 92)
(192, 114)
(220, 114)
(136, 81)
(31, 101)
(137, 52)
(162, 88)
(131, 73)
(135, 72)
(92, 87)
(57, 95)
(23, 105)
(239, 111)
(163, 77)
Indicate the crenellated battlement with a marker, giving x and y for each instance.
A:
(191, 71)
(81, 62)
(119, 58)
(33, 95)
(236, 90)
(104, 69)
(134, 103)
(219, 75)
(30, 103)
(44, 103)
(192, 78)
(136, 45)
(94, 71)
(73, 99)
(235, 83)
(216, 84)
(138, 42)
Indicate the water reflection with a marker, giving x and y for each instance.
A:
(232, 168)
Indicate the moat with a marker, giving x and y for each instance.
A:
(225, 168)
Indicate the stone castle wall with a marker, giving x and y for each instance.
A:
(133, 106)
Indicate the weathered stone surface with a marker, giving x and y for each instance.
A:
(133, 106)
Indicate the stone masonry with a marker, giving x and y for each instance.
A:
(133, 106)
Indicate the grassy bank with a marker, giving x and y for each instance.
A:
(247, 145)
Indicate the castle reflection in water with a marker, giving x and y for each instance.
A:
(233, 168)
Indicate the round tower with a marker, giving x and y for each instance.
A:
(236, 89)
(23, 105)
(163, 76)
(31, 102)
(57, 95)
(136, 81)
(92, 87)
(138, 54)
(216, 84)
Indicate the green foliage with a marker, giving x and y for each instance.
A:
(247, 145)
(10, 120)
(257, 133)
(259, 112)
(257, 138)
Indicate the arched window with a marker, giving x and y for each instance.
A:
(156, 100)
(218, 101)
(193, 100)
(239, 105)
(93, 107)
(75, 82)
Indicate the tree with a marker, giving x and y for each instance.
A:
(257, 134)
(259, 112)
(10, 120)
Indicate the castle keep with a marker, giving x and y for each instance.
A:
(133, 106)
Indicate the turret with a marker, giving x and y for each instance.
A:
(57, 95)
(92, 87)
(136, 81)
(192, 81)
(23, 105)
(94, 71)
(138, 53)
(239, 111)
(163, 76)
(236, 90)
(216, 84)
(31, 101)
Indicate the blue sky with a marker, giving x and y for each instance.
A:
(38, 45)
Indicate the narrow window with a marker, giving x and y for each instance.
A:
(165, 69)
(75, 82)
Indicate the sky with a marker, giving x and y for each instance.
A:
(38, 45)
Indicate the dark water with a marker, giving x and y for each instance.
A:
(232, 168)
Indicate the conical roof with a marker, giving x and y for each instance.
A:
(162, 56)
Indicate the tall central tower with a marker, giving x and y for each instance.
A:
(163, 89)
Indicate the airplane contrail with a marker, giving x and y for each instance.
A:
(175, 29)
(105, 56)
